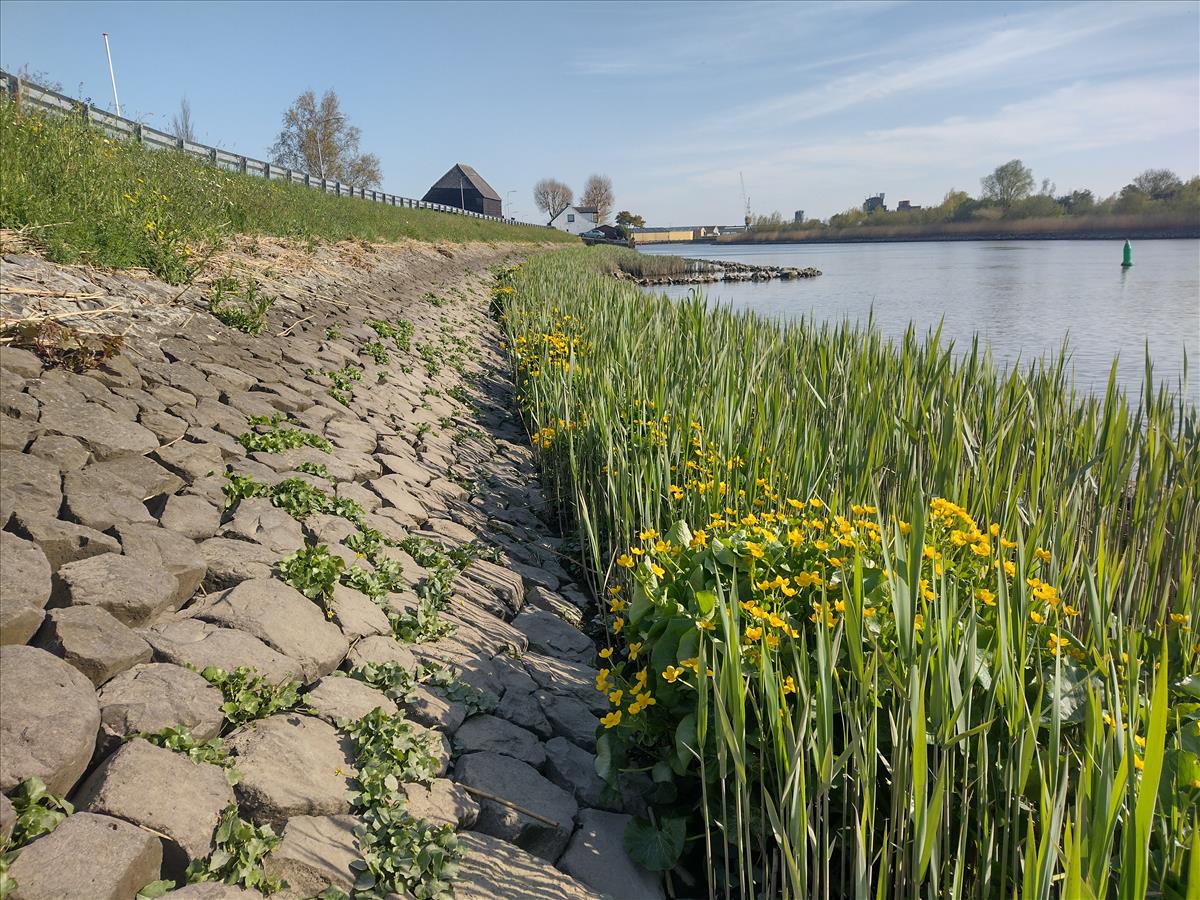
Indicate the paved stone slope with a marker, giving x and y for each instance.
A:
(124, 572)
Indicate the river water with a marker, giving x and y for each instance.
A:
(1022, 297)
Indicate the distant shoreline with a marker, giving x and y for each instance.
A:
(1173, 234)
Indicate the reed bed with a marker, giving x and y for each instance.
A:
(883, 619)
(619, 259)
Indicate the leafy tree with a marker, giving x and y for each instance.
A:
(316, 138)
(552, 196)
(1157, 184)
(181, 122)
(1010, 182)
(1077, 202)
(598, 192)
(629, 220)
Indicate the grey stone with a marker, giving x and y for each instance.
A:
(560, 676)
(259, 521)
(489, 733)
(131, 589)
(88, 855)
(359, 494)
(24, 588)
(552, 636)
(148, 478)
(556, 604)
(574, 770)
(284, 619)
(64, 542)
(65, 452)
(106, 433)
(164, 791)
(597, 857)
(200, 644)
(50, 718)
(524, 709)
(337, 699)
(189, 515)
(398, 495)
(21, 362)
(494, 869)
(191, 460)
(429, 708)
(291, 765)
(441, 802)
(521, 784)
(212, 890)
(380, 649)
(28, 486)
(315, 854)
(231, 562)
(16, 434)
(165, 549)
(357, 615)
(569, 718)
(505, 584)
(154, 696)
(93, 641)
(101, 499)
(163, 425)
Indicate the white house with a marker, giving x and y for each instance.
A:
(575, 219)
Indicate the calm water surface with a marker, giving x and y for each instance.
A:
(1022, 297)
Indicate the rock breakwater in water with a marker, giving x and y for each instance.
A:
(705, 271)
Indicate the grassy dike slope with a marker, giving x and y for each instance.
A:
(884, 620)
(85, 197)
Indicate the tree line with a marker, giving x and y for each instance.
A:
(1011, 192)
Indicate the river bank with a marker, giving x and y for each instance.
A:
(341, 489)
(1099, 228)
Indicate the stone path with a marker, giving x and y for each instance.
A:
(123, 573)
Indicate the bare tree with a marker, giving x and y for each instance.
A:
(551, 196)
(316, 138)
(598, 192)
(181, 122)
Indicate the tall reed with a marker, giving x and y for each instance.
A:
(872, 694)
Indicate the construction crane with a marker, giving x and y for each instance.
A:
(745, 200)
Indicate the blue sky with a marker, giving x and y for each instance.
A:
(818, 104)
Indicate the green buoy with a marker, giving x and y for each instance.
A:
(1127, 257)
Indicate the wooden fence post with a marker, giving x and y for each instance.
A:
(212, 155)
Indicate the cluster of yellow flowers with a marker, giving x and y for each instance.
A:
(636, 691)
(556, 349)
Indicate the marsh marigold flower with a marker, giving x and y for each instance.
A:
(671, 674)
(612, 720)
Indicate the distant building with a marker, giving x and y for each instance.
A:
(905, 204)
(575, 219)
(799, 220)
(871, 204)
(464, 188)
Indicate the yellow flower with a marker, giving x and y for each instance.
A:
(602, 682)
(815, 503)
(615, 697)
(634, 649)
(918, 621)
(1043, 555)
(1140, 741)
(671, 673)
(1070, 610)
(612, 720)
(1109, 720)
(699, 539)
(648, 535)
(789, 686)
(676, 492)
(753, 634)
(1036, 617)
(1177, 618)
(755, 550)
(706, 625)
(822, 545)
(617, 625)
(692, 663)
(1138, 762)
(616, 605)
(1056, 643)
(625, 561)
(868, 612)
(657, 570)
(606, 653)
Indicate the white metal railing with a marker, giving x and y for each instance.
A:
(27, 94)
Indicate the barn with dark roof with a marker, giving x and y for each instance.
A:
(465, 188)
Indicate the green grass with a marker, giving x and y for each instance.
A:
(887, 694)
(86, 197)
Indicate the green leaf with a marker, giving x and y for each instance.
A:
(655, 849)
(686, 745)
